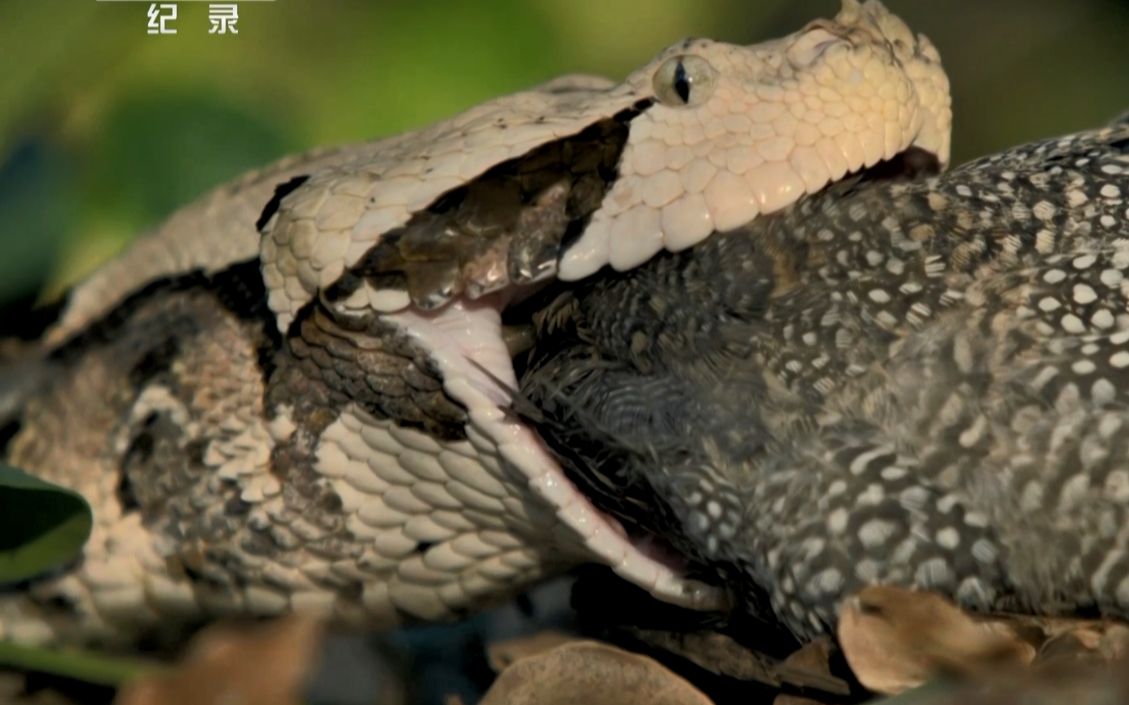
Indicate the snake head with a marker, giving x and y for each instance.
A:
(704, 138)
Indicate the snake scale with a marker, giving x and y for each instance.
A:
(723, 327)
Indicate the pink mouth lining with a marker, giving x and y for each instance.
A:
(465, 340)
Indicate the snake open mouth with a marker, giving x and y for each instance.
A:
(458, 272)
(466, 342)
(472, 257)
(603, 514)
(592, 469)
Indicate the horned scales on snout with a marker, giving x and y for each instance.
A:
(293, 394)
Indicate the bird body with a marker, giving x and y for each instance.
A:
(917, 382)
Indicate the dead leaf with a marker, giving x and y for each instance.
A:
(786, 699)
(810, 667)
(1073, 681)
(715, 652)
(502, 654)
(1058, 638)
(591, 673)
(262, 665)
(895, 639)
(1114, 644)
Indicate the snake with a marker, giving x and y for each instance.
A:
(724, 327)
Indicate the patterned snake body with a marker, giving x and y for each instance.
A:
(301, 393)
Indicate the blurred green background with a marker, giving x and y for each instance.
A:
(105, 129)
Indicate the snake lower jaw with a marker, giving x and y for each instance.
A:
(467, 343)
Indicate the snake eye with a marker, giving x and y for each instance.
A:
(684, 80)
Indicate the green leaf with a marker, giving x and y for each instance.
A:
(42, 526)
(84, 666)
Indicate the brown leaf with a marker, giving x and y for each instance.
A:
(1058, 638)
(262, 665)
(807, 668)
(810, 667)
(895, 639)
(502, 654)
(1114, 643)
(717, 653)
(590, 673)
(786, 699)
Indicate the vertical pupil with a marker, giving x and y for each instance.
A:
(681, 83)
